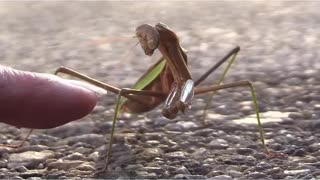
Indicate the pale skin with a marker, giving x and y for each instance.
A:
(41, 101)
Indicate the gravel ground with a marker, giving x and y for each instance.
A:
(280, 55)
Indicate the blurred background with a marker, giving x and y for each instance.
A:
(279, 44)
(40, 36)
(279, 53)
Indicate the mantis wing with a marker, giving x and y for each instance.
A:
(147, 78)
(150, 75)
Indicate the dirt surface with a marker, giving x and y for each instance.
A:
(279, 53)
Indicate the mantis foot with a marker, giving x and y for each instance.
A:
(276, 154)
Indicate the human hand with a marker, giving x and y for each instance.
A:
(42, 101)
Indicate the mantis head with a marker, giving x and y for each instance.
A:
(148, 37)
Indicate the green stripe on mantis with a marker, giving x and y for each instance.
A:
(152, 75)
(142, 83)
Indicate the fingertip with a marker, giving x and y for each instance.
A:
(67, 102)
(41, 101)
(84, 100)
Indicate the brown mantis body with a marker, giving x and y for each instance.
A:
(173, 85)
(174, 75)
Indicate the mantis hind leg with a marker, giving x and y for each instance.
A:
(206, 89)
(233, 54)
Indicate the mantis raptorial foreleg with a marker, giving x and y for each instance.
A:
(103, 85)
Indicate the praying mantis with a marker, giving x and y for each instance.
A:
(168, 80)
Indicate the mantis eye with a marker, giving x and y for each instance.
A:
(148, 37)
(161, 25)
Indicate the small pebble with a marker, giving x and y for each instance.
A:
(246, 110)
(145, 175)
(64, 164)
(74, 156)
(214, 173)
(20, 169)
(35, 148)
(32, 174)
(263, 166)
(86, 167)
(182, 126)
(218, 144)
(195, 176)
(299, 152)
(82, 150)
(91, 139)
(182, 170)
(133, 167)
(295, 172)
(17, 178)
(245, 151)
(177, 155)
(3, 163)
(274, 170)
(72, 129)
(316, 107)
(199, 152)
(224, 177)
(307, 114)
(295, 115)
(234, 173)
(150, 153)
(157, 170)
(260, 155)
(94, 156)
(256, 175)
(29, 159)
(98, 109)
